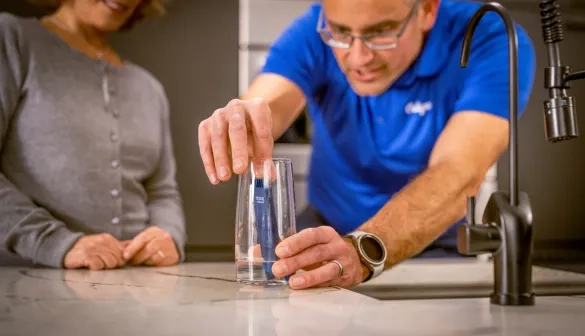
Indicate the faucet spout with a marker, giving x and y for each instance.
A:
(506, 226)
(513, 81)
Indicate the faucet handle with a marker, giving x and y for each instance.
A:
(470, 217)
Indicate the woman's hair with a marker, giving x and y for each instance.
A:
(147, 9)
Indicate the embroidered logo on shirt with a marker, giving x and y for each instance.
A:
(418, 108)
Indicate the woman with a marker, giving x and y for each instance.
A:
(87, 165)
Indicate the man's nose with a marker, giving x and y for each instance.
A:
(360, 54)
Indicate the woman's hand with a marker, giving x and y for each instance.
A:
(153, 247)
(96, 252)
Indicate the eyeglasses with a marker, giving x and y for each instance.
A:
(377, 41)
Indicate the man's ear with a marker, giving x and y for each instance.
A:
(428, 12)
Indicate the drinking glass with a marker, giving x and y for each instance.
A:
(265, 215)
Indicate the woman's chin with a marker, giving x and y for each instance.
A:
(108, 26)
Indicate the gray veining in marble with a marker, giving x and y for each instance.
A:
(204, 299)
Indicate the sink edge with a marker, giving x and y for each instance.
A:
(424, 292)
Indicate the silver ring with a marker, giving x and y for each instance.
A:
(340, 268)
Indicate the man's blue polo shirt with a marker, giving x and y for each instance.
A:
(365, 149)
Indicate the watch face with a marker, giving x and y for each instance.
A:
(372, 249)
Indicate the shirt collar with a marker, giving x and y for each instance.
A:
(433, 56)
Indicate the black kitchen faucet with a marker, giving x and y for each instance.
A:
(506, 227)
(506, 230)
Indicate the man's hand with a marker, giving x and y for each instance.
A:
(95, 252)
(153, 247)
(240, 130)
(314, 250)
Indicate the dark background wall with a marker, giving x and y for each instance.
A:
(553, 175)
(194, 53)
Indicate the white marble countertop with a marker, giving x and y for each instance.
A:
(204, 299)
(460, 278)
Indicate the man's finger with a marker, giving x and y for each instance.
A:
(205, 151)
(261, 124)
(238, 137)
(321, 275)
(305, 239)
(219, 144)
(255, 252)
(312, 267)
(265, 168)
(316, 254)
(137, 243)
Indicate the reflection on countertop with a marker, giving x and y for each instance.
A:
(204, 299)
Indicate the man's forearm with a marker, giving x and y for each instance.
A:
(422, 210)
(285, 99)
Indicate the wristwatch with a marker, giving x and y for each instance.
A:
(371, 250)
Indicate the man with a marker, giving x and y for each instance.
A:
(401, 133)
